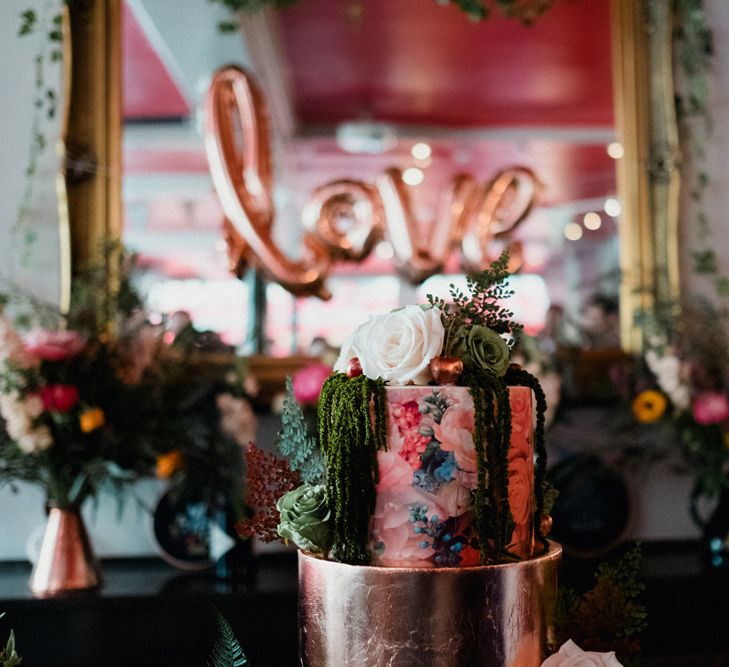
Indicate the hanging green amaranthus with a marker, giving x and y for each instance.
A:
(491, 438)
(350, 434)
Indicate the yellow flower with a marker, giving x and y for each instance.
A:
(91, 419)
(649, 406)
(168, 464)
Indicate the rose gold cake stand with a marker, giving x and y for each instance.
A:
(490, 616)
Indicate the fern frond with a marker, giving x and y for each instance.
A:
(226, 651)
(296, 444)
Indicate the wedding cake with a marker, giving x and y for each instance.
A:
(423, 544)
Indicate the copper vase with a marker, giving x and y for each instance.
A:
(66, 562)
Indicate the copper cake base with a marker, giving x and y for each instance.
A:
(492, 615)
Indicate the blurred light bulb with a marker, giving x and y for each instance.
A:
(413, 176)
(613, 207)
(615, 150)
(421, 151)
(573, 231)
(592, 220)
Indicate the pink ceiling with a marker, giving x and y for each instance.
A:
(415, 61)
(150, 91)
(418, 62)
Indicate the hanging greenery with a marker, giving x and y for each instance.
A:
(491, 439)
(350, 436)
(526, 11)
(694, 50)
(45, 103)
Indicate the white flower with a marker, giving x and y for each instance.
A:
(397, 346)
(19, 415)
(35, 441)
(667, 369)
(571, 655)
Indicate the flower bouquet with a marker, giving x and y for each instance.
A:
(678, 396)
(67, 425)
(198, 421)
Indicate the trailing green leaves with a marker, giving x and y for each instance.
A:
(350, 434)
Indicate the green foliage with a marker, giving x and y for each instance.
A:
(9, 656)
(296, 443)
(550, 495)
(28, 22)
(527, 11)
(350, 438)
(248, 6)
(45, 103)
(227, 652)
(481, 306)
(491, 437)
(695, 48)
(609, 616)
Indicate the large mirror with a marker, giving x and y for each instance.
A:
(353, 88)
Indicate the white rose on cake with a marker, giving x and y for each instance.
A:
(397, 346)
(571, 655)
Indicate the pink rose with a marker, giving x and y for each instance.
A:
(520, 400)
(392, 525)
(308, 382)
(520, 491)
(710, 407)
(394, 469)
(455, 434)
(59, 397)
(54, 345)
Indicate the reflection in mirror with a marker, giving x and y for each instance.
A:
(370, 89)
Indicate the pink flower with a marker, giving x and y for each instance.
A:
(394, 469)
(710, 407)
(406, 416)
(455, 434)
(59, 397)
(54, 345)
(308, 382)
(394, 528)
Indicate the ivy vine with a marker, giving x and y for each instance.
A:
(526, 11)
(694, 50)
(45, 105)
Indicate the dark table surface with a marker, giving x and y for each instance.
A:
(149, 613)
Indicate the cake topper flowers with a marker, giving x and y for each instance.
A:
(407, 470)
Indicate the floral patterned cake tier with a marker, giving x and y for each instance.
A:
(428, 475)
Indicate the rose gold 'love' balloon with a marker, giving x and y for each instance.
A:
(347, 216)
(237, 146)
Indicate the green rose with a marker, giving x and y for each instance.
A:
(305, 517)
(487, 350)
